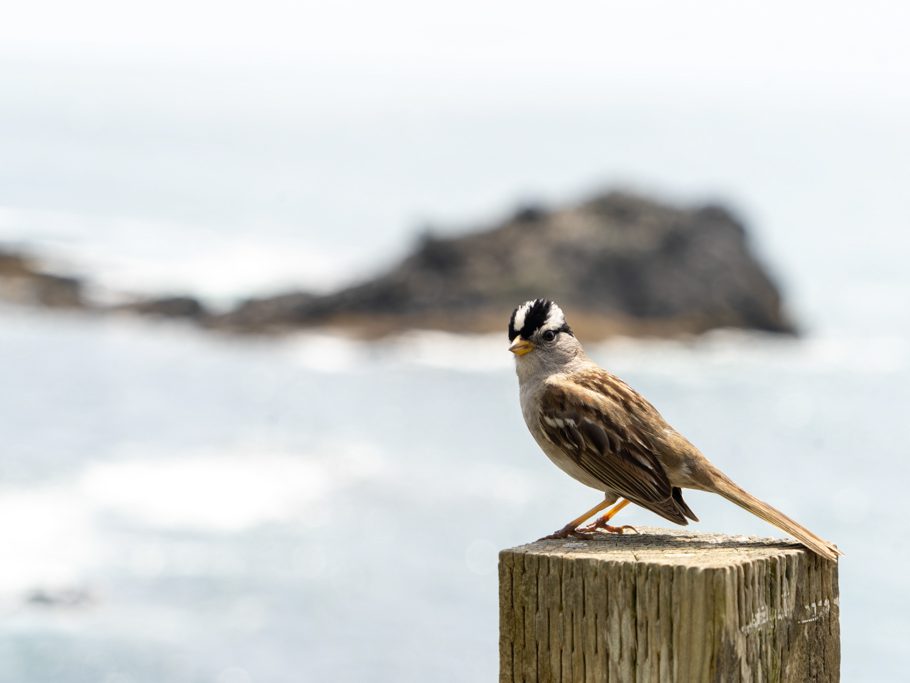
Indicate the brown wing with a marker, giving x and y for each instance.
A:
(594, 420)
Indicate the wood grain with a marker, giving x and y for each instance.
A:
(667, 606)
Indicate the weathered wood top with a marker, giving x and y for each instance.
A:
(652, 545)
(667, 605)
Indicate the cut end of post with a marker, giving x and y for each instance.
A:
(668, 605)
(667, 546)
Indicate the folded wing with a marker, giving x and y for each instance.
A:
(594, 428)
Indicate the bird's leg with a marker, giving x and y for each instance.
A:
(571, 529)
(603, 521)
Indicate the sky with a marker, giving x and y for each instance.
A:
(164, 142)
(831, 46)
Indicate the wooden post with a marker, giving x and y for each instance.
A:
(667, 606)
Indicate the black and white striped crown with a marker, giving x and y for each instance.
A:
(535, 316)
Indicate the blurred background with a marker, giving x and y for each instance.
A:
(183, 505)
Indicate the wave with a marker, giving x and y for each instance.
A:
(722, 351)
(125, 255)
(59, 533)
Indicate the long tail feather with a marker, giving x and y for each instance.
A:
(729, 490)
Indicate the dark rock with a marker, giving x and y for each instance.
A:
(618, 263)
(167, 307)
(24, 281)
(67, 597)
(529, 213)
(269, 314)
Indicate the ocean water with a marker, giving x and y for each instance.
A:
(181, 506)
(320, 509)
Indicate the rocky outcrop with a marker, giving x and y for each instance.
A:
(267, 314)
(24, 281)
(187, 307)
(618, 263)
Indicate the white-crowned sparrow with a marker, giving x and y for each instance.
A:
(606, 435)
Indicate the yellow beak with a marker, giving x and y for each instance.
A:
(521, 346)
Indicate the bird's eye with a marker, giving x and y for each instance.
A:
(549, 335)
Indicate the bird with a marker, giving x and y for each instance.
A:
(606, 435)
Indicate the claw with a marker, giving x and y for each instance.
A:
(575, 530)
(602, 524)
(566, 532)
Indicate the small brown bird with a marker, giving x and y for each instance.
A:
(603, 433)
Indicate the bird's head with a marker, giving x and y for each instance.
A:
(540, 334)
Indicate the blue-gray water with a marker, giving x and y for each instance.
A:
(234, 512)
(317, 509)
